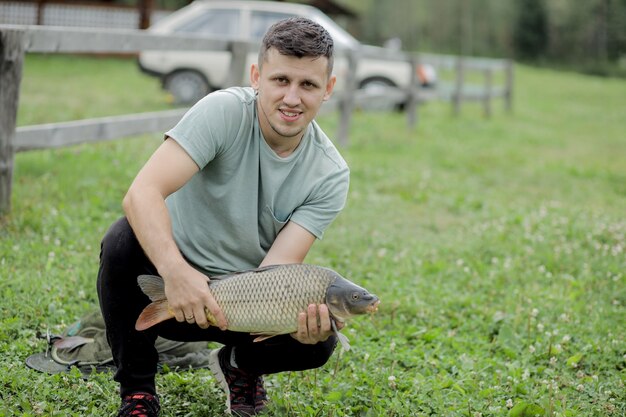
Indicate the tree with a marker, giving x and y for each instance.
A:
(530, 34)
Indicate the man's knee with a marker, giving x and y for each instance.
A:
(119, 243)
(322, 352)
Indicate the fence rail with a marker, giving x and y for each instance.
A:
(16, 40)
(56, 135)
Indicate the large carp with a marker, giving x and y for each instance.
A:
(266, 301)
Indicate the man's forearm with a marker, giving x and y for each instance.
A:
(148, 216)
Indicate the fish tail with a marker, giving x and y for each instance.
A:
(154, 313)
(153, 286)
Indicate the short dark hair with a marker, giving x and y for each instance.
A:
(299, 37)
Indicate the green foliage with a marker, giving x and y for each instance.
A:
(496, 246)
(530, 37)
(586, 35)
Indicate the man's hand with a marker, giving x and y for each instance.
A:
(190, 299)
(314, 325)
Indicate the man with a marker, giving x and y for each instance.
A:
(245, 179)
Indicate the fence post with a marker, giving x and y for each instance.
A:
(457, 96)
(412, 104)
(237, 70)
(488, 93)
(346, 104)
(508, 88)
(11, 61)
(41, 4)
(145, 13)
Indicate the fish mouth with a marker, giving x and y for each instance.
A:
(372, 308)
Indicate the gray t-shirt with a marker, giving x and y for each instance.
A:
(227, 216)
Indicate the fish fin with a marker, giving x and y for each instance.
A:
(153, 286)
(343, 339)
(154, 313)
(72, 342)
(267, 268)
(264, 336)
(246, 271)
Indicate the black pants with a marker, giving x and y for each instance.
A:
(121, 300)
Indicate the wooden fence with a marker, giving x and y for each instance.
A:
(17, 40)
(83, 13)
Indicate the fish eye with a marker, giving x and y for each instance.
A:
(355, 296)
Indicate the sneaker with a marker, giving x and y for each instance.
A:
(245, 394)
(260, 396)
(140, 404)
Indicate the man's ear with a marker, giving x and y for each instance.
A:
(255, 75)
(330, 85)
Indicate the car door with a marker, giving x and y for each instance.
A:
(220, 23)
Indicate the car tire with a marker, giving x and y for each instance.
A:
(186, 86)
(376, 83)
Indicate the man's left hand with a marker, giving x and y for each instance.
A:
(314, 325)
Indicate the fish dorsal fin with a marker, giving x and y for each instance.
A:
(246, 271)
(266, 268)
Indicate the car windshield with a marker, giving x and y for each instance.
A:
(261, 20)
(217, 22)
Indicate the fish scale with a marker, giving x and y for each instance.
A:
(264, 301)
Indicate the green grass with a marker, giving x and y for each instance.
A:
(66, 87)
(497, 247)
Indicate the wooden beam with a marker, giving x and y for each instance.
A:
(411, 102)
(508, 86)
(457, 97)
(41, 5)
(237, 71)
(11, 62)
(488, 92)
(56, 135)
(92, 40)
(145, 12)
(346, 106)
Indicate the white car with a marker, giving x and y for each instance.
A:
(190, 75)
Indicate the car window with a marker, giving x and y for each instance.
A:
(260, 22)
(219, 22)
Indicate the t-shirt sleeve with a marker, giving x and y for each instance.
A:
(203, 130)
(324, 204)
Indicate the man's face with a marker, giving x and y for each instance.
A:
(290, 93)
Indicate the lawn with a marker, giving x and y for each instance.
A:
(497, 247)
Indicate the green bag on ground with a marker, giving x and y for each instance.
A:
(84, 345)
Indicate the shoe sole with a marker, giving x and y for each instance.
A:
(214, 366)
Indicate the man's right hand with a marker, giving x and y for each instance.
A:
(190, 298)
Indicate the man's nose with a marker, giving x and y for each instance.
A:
(292, 96)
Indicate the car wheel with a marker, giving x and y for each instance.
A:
(186, 87)
(378, 85)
